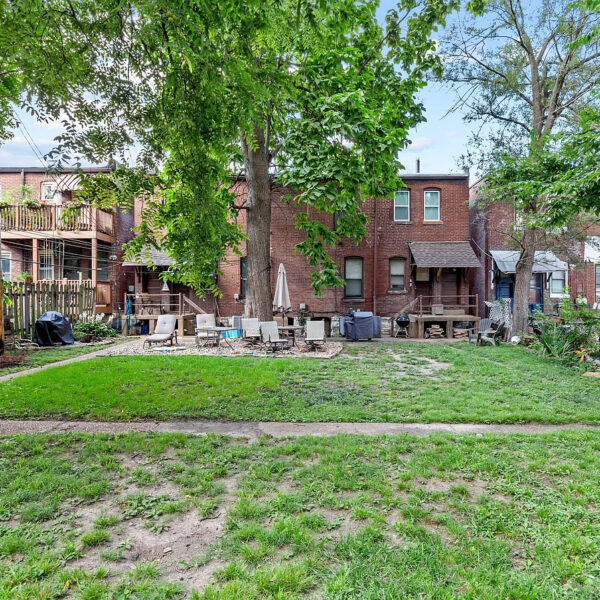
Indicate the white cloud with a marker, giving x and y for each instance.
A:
(419, 143)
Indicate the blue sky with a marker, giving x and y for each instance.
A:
(438, 142)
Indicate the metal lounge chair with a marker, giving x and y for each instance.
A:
(269, 335)
(315, 334)
(203, 336)
(250, 330)
(164, 331)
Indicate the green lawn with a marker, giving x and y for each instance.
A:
(350, 517)
(38, 358)
(381, 382)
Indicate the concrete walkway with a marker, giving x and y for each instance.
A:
(255, 429)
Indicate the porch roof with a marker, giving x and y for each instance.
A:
(545, 261)
(149, 256)
(444, 254)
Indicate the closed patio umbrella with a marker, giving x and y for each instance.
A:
(281, 300)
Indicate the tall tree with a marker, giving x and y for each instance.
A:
(523, 71)
(314, 91)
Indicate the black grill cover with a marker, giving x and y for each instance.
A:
(53, 328)
(360, 326)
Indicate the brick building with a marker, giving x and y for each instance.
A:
(40, 238)
(573, 265)
(417, 244)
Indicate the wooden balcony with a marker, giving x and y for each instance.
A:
(80, 221)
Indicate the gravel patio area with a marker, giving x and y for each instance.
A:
(229, 347)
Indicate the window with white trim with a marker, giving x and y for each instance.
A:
(402, 206)
(432, 205)
(353, 274)
(49, 193)
(397, 273)
(598, 282)
(46, 264)
(558, 282)
(5, 262)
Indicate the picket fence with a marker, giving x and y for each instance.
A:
(29, 301)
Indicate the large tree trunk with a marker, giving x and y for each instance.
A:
(259, 300)
(524, 272)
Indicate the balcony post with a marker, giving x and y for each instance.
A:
(35, 257)
(94, 262)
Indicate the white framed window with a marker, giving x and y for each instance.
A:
(49, 193)
(46, 264)
(5, 258)
(597, 269)
(558, 283)
(402, 206)
(397, 273)
(432, 205)
(353, 274)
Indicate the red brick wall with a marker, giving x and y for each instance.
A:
(392, 242)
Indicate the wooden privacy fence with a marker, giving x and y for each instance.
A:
(29, 301)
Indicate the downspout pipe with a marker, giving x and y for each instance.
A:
(375, 256)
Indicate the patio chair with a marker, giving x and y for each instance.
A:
(484, 325)
(164, 331)
(269, 335)
(203, 336)
(315, 334)
(251, 330)
(491, 336)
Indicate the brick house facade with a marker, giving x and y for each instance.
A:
(578, 266)
(39, 239)
(381, 271)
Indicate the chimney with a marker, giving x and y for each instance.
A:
(418, 165)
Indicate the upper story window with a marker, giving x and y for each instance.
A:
(243, 276)
(432, 205)
(397, 273)
(402, 206)
(49, 193)
(598, 282)
(353, 274)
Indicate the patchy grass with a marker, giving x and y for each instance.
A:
(380, 382)
(39, 358)
(495, 517)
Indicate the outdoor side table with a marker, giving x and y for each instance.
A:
(295, 330)
(220, 334)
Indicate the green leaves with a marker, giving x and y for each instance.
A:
(183, 84)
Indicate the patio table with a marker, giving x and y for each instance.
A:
(294, 330)
(221, 334)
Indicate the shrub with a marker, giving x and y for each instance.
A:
(98, 329)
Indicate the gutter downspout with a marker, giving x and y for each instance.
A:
(375, 257)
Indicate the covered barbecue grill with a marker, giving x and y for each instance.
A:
(402, 322)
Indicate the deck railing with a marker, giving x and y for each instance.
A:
(156, 304)
(20, 217)
(421, 305)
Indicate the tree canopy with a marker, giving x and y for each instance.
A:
(317, 91)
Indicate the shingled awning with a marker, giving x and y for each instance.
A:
(149, 256)
(444, 254)
(545, 261)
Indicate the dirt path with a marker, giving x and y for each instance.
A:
(255, 429)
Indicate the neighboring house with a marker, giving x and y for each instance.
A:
(42, 240)
(492, 229)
